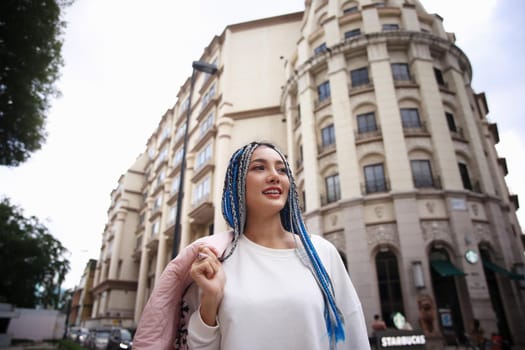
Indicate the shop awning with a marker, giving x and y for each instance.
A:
(498, 269)
(445, 268)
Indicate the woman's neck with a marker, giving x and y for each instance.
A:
(269, 233)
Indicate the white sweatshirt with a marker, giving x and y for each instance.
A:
(272, 301)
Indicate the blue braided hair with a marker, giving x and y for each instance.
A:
(234, 212)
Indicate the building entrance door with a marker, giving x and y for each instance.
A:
(444, 274)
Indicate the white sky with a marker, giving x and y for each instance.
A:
(125, 61)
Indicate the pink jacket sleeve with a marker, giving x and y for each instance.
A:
(160, 319)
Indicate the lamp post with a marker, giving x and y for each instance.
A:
(205, 68)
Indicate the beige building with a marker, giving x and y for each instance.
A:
(391, 148)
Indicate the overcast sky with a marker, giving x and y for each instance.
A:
(125, 61)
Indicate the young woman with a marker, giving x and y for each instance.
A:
(275, 286)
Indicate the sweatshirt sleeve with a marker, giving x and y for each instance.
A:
(201, 336)
(356, 334)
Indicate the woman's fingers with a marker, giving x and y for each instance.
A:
(206, 263)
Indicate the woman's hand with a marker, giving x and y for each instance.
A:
(207, 272)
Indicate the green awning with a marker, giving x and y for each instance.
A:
(498, 269)
(445, 268)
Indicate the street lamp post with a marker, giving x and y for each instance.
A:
(205, 68)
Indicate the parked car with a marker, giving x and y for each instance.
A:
(120, 339)
(89, 341)
(82, 335)
(100, 338)
(73, 332)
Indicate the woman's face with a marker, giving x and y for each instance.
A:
(267, 183)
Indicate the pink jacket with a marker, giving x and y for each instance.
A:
(158, 328)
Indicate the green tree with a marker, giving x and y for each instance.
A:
(30, 60)
(32, 262)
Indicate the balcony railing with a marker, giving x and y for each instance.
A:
(415, 129)
(363, 135)
(375, 186)
(427, 182)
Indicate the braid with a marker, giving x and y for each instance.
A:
(234, 212)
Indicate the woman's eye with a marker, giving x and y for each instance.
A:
(258, 167)
(282, 170)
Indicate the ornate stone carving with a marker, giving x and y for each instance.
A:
(333, 219)
(379, 210)
(482, 232)
(430, 207)
(475, 209)
(436, 230)
(382, 234)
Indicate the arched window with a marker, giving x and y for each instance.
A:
(389, 285)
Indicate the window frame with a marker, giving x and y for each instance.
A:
(359, 77)
(422, 173)
(366, 116)
(410, 118)
(377, 183)
(328, 135)
(332, 188)
(323, 91)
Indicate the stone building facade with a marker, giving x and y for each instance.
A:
(391, 147)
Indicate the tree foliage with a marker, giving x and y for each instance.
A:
(32, 262)
(30, 60)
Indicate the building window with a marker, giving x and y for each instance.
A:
(351, 33)
(333, 189)
(206, 124)
(320, 49)
(328, 135)
(178, 157)
(359, 77)
(163, 155)
(323, 91)
(157, 203)
(185, 104)
(465, 177)
(352, 9)
(172, 214)
(389, 285)
(201, 191)
(390, 26)
(180, 132)
(175, 184)
(439, 77)
(375, 178)
(299, 162)
(155, 228)
(160, 178)
(208, 96)
(422, 173)
(203, 156)
(400, 71)
(410, 118)
(366, 123)
(450, 121)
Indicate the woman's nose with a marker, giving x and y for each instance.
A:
(273, 177)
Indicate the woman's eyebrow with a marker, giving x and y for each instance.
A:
(262, 160)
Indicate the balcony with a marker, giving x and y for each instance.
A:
(202, 211)
(405, 82)
(323, 149)
(369, 135)
(375, 186)
(427, 182)
(458, 135)
(415, 130)
(360, 88)
(318, 104)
